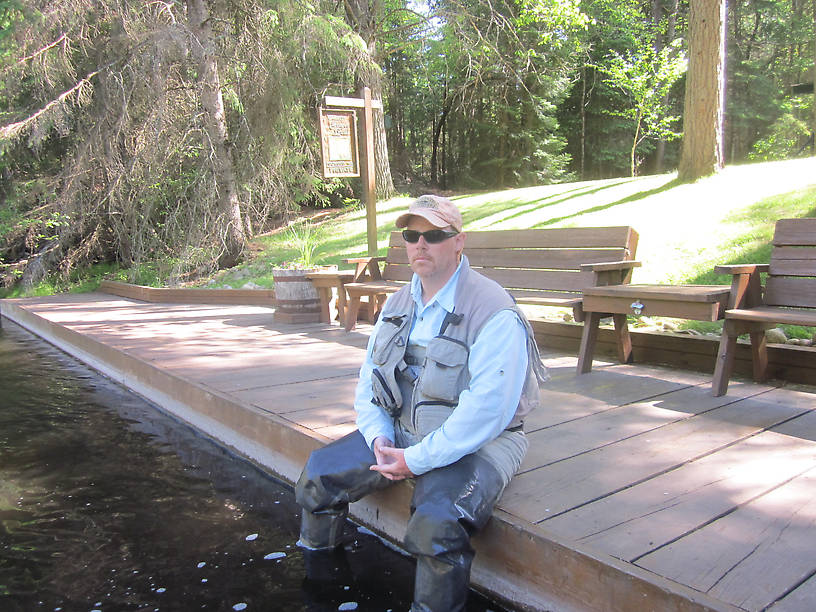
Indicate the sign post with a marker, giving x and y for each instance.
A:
(340, 132)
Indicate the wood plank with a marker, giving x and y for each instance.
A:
(806, 253)
(800, 599)
(651, 306)
(284, 399)
(804, 426)
(753, 555)
(580, 237)
(792, 267)
(550, 259)
(642, 518)
(540, 279)
(687, 293)
(511, 257)
(548, 491)
(789, 232)
(773, 314)
(604, 427)
(796, 292)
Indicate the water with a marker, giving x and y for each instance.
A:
(108, 504)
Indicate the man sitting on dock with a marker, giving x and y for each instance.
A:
(451, 370)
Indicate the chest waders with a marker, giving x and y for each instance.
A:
(419, 389)
(449, 504)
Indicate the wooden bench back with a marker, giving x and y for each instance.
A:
(534, 263)
(792, 271)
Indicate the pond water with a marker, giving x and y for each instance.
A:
(107, 503)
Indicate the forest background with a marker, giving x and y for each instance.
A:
(137, 131)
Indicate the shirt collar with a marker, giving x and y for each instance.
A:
(445, 297)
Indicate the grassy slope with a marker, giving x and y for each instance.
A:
(685, 229)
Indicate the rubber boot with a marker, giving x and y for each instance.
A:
(449, 505)
(322, 531)
(334, 476)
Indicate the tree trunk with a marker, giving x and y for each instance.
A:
(813, 109)
(705, 91)
(215, 127)
(363, 16)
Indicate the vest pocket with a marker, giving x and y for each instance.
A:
(430, 417)
(445, 359)
(388, 340)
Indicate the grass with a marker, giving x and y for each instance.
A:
(685, 229)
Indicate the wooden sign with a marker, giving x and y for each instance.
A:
(338, 137)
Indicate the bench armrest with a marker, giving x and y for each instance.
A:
(366, 267)
(365, 260)
(610, 265)
(746, 285)
(741, 268)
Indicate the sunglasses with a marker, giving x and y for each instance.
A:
(434, 236)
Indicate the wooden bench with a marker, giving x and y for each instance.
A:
(543, 267)
(789, 297)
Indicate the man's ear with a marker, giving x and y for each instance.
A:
(460, 243)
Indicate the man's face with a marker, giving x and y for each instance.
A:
(433, 263)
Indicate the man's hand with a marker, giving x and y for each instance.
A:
(390, 460)
(381, 442)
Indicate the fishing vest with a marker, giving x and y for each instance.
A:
(444, 373)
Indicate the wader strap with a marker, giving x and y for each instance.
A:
(450, 319)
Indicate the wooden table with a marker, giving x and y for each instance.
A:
(697, 302)
(326, 280)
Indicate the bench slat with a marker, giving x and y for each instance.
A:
(555, 259)
(570, 237)
(792, 267)
(790, 232)
(790, 291)
(807, 253)
(539, 279)
(772, 314)
(398, 272)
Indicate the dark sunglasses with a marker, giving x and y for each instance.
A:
(431, 236)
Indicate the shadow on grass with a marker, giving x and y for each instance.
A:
(477, 213)
(630, 198)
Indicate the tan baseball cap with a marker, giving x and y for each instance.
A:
(439, 211)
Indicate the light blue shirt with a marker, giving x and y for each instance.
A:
(497, 365)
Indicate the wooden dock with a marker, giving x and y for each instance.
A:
(640, 490)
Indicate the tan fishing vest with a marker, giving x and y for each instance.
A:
(444, 373)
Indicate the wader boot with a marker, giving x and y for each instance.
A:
(333, 477)
(448, 506)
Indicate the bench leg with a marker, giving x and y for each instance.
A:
(351, 311)
(341, 305)
(624, 340)
(725, 360)
(589, 337)
(325, 295)
(759, 354)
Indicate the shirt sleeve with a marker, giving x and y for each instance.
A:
(498, 367)
(372, 421)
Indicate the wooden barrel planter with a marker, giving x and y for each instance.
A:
(296, 297)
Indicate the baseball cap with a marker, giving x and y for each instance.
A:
(439, 211)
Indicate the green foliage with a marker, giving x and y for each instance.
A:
(786, 136)
(647, 76)
(305, 237)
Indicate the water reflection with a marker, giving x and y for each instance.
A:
(108, 504)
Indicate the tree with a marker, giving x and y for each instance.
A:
(215, 130)
(646, 77)
(366, 18)
(705, 91)
(160, 132)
